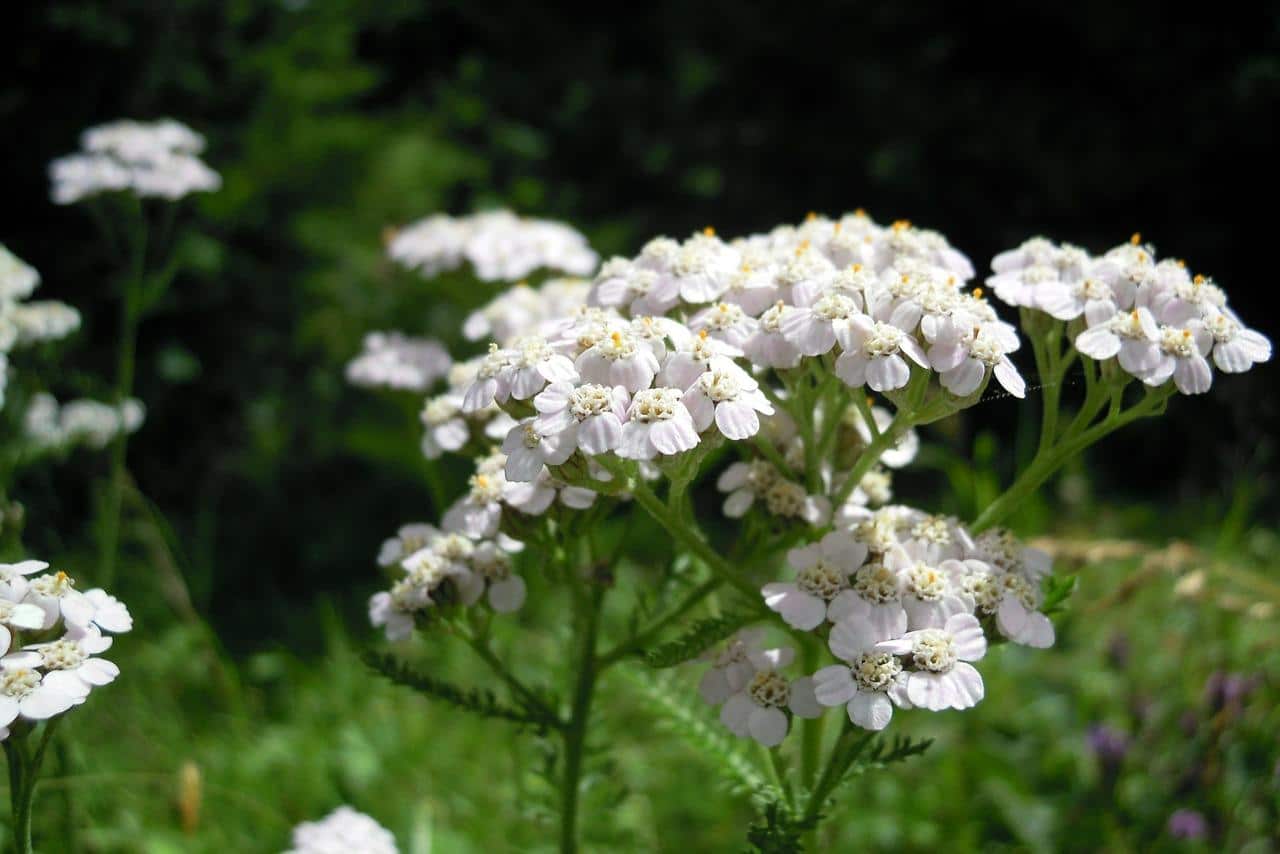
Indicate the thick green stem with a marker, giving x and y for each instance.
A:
(870, 456)
(810, 728)
(685, 534)
(575, 733)
(126, 352)
(1045, 464)
(24, 772)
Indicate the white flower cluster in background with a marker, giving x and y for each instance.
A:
(1156, 319)
(51, 634)
(49, 424)
(499, 246)
(343, 831)
(435, 568)
(906, 601)
(397, 361)
(149, 159)
(25, 323)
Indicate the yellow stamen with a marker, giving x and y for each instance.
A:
(1136, 239)
(810, 216)
(709, 231)
(1198, 279)
(977, 293)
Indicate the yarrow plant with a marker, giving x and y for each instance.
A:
(53, 636)
(131, 176)
(789, 372)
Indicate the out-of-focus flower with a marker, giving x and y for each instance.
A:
(343, 831)
(150, 159)
(499, 245)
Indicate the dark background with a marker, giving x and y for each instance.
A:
(331, 120)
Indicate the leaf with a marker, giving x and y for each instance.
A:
(478, 701)
(779, 832)
(1057, 589)
(689, 721)
(701, 636)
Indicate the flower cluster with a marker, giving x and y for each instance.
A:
(48, 424)
(51, 635)
(24, 323)
(343, 831)
(905, 602)
(397, 361)
(498, 245)
(1156, 319)
(810, 351)
(149, 159)
(436, 568)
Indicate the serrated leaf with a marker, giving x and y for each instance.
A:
(700, 637)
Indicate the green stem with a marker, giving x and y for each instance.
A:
(130, 317)
(685, 534)
(845, 752)
(519, 688)
(643, 638)
(575, 733)
(870, 456)
(810, 728)
(24, 773)
(1044, 465)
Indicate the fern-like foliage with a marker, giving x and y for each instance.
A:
(777, 831)
(700, 637)
(687, 718)
(477, 701)
(1057, 589)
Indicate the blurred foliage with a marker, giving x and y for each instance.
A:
(332, 120)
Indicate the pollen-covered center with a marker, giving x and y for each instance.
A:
(834, 306)
(822, 579)
(720, 386)
(985, 348)
(18, 683)
(453, 547)
(761, 475)
(530, 351)
(57, 584)
(934, 650)
(655, 404)
(493, 362)
(1094, 289)
(769, 689)
(588, 400)
(530, 437)
(873, 671)
(933, 529)
(876, 583)
(485, 488)
(63, 655)
(1129, 325)
(1016, 585)
(785, 498)
(926, 583)
(771, 320)
(439, 410)
(884, 340)
(1221, 327)
(985, 589)
(1179, 343)
(618, 344)
(724, 316)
